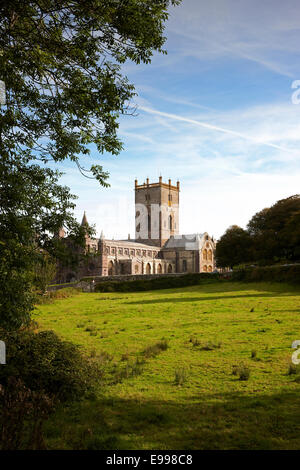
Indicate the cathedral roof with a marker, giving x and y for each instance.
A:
(192, 241)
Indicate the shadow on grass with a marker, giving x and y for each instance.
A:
(228, 421)
(201, 299)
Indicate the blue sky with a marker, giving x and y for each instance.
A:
(215, 113)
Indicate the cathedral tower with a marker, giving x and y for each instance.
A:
(156, 212)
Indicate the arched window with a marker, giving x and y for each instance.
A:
(159, 269)
(205, 269)
(184, 265)
(111, 268)
(205, 254)
(136, 269)
(209, 255)
(209, 269)
(169, 268)
(170, 222)
(148, 268)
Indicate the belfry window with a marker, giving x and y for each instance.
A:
(170, 222)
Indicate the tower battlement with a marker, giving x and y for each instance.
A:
(156, 211)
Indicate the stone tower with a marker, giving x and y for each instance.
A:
(156, 211)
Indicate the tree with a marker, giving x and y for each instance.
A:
(60, 60)
(234, 247)
(276, 231)
(61, 64)
(33, 206)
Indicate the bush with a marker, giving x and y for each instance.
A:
(164, 282)
(269, 273)
(51, 296)
(22, 415)
(46, 363)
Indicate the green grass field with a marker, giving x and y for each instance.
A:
(210, 329)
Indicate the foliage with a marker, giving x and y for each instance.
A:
(272, 236)
(60, 62)
(287, 274)
(51, 296)
(33, 206)
(163, 282)
(22, 415)
(276, 231)
(44, 272)
(233, 247)
(47, 364)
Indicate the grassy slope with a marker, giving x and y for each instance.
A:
(213, 409)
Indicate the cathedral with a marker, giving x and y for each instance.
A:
(158, 247)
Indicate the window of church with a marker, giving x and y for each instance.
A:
(126, 251)
(120, 251)
(113, 251)
(149, 253)
(184, 265)
(132, 252)
(138, 252)
(138, 227)
(144, 252)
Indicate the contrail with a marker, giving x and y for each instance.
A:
(214, 128)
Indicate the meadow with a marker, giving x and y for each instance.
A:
(199, 367)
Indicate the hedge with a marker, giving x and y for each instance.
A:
(288, 273)
(164, 282)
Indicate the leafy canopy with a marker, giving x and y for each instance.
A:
(60, 61)
(61, 64)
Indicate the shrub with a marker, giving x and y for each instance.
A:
(51, 296)
(163, 282)
(289, 273)
(46, 363)
(22, 415)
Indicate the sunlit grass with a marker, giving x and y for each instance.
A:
(209, 330)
